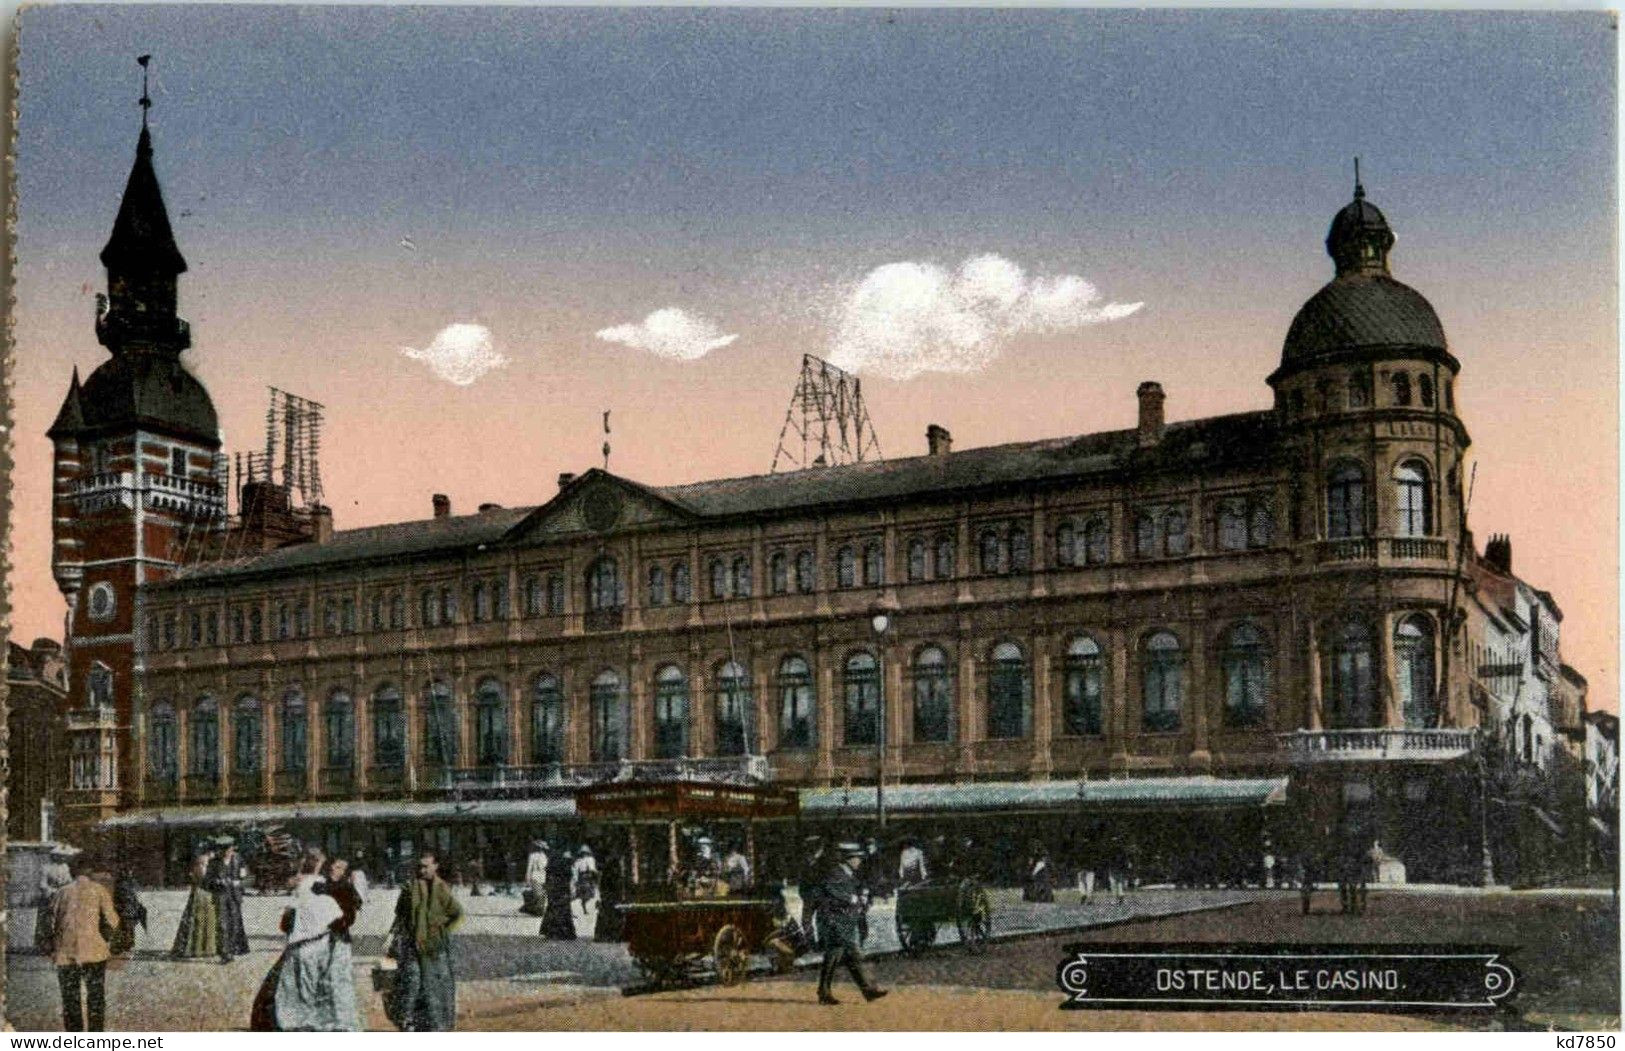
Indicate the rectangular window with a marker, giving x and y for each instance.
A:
(177, 462)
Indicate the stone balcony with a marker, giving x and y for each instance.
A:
(1384, 548)
(1314, 747)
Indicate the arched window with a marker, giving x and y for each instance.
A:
(330, 617)
(990, 547)
(1021, 550)
(429, 608)
(397, 612)
(388, 728)
(805, 580)
(778, 573)
(657, 586)
(916, 559)
(247, 736)
(546, 721)
(490, 723)
(1083, 712)
(874, 564)
(719, 578)
(1097, 539)
(338, 731)
(1232, 525)
(1359, 390)
(607, 700)
(1350, 693)
(203, 741)
(681, 591)
(448, 606)
(1424, 390)
(196, 623)
(295, 732)
(861, 683)
(742, 578)
(1345, 502)
(1261, 525)
(440, 731)
(943, 563)
(1145, 535)
(1164, 693)
(1007, 711)
(1413, 667)
(933, 698)
(604, 584)
(533, 597)
(161, 744)
(481, 602)
(1413, 500)
(797, 717)
(499, 598)
(733, 707)
(301, 619)
(1177, 540)
(256, 625)
(1066, 545)
(1402, 389)
(671, 713)
(1246, 664)
(377, 620)
(846, 567)
(555, 594)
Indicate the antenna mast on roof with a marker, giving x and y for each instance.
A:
(828, 420)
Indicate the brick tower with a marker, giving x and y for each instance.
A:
(136, 488)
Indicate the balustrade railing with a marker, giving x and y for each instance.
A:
(1323, 746)
(511, 779)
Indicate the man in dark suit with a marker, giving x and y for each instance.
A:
(841, 903)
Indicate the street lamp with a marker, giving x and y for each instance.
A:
(881, 623)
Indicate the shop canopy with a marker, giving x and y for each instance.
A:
(663, 800)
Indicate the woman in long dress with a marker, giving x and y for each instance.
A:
(199, 933)
(312, 987)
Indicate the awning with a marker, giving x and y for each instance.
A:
(1013, 797)
(381, 810)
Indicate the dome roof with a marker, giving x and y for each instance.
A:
(151, 392)
(1358, 310)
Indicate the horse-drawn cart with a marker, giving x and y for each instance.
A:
(963, 902)
(675, 928)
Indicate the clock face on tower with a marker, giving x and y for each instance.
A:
(102, 601)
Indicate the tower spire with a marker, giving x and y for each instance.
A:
(146, 99)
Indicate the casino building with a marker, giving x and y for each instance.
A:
(1178, 648)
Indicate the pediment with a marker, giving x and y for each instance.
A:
(598, 504)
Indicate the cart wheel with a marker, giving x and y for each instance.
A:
(975, 919)
(728, 952)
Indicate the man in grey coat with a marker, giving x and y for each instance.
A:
(841, 904)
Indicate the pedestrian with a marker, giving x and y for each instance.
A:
(1040, 885)
(610, 894)
(535, 893)
(557, 920)
(911, 868)
(311, 988)
(736, 870)
(840, 905)
(426, 913)
(225, 882)
(131, 913)
(80, 913)
(198, 936)
(809, 882)
(584, 893)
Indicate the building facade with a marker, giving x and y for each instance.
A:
(1213, 615)
(36, 723)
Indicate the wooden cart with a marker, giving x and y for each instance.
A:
(672, 933)
(963, 902)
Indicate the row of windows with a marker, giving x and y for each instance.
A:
(1347, 503)
(1358, 392)
(1245, 665)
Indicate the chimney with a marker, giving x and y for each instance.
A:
(321, 521)
(565, 478)
(938, 440)
(1498, 553)
(1151, 422)
(442, 505)
(486, 509)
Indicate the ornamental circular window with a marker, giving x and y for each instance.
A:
(102, 601)
(601, 509)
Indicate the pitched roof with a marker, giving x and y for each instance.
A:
(1204, 444)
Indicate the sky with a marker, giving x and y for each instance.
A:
(468, 232)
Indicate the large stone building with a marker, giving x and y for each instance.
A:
(1179, 647)
(36, 724)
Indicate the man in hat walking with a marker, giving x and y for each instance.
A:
(78, 915)
(841, 904)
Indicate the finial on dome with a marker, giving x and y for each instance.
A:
(1359, 191)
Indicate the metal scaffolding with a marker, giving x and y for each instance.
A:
(827, 418)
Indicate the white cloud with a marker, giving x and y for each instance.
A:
(903, 319)
(461, 353)
(670, 333)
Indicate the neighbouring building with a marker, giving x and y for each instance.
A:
(36, 723)
(1175, 649)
